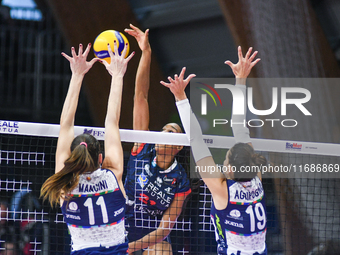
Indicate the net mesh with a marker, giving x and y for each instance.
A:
(306, 214)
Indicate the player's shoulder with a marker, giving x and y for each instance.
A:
(180, 170)
(106, 173)
(142, 150)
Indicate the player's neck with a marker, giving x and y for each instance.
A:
(164, 161)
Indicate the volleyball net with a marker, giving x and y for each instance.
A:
(301, 191)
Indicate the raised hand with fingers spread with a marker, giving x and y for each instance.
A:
(178, 84)
(244, 65)
(141, 37)
(78, 63)
(118, 64)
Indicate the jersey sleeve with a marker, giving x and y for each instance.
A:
(139, 149)
(143, 152)
(144, 148)
(183, 185)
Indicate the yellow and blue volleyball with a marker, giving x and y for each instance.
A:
(109, 36)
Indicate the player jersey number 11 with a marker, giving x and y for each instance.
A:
(100, 202)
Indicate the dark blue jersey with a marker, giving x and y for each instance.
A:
(150, 188)
(241, 226)
(96, 211)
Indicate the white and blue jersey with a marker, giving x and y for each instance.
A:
(240, 228)
(150, 190)
(95, 214)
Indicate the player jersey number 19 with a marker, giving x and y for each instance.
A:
(100, 202)
(260, 216)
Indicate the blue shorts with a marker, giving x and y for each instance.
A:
(121, 249)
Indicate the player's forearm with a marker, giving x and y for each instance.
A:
(141, 105)
(71, 100)
(114, 102)
(113, 148)
(143, 74)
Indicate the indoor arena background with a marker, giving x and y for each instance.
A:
(295, 38)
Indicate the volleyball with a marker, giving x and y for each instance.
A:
(109, 36)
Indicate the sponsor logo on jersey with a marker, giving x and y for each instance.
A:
(72, 206)
(149, 211)
(170, 181)
(142, 180)
(234, 224)
(158, 194)
(118, 211)
(159, 181)
(168, 191)
(147, 169)
(94, 187)
(174, 181)
(154, 163)
(74, 217)
(235, 214)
